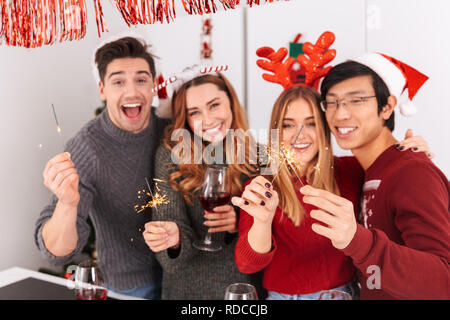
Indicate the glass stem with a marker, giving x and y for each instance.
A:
(208, 238)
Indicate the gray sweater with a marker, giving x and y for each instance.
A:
(189, 273)
(112, 165)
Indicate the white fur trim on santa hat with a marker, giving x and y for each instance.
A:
(391, 75)
(164, 109)
(408, 109)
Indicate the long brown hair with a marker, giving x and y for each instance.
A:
(187, 176)
(320, 170)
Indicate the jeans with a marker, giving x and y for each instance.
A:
(151, 292)
(351, 288)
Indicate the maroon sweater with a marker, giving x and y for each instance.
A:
(402, 247)
(301, 261)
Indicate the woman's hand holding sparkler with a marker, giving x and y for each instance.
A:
(259, 200)
(162, 235)
(223, 218)
(61, 177)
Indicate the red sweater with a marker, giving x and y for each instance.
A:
(405, 230)
(300, 260)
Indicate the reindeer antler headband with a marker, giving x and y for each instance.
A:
(319, 56)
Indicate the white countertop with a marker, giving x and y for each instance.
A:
(16, 274)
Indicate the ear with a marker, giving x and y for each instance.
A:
(388, 109)
(155, 83)
(101, 89)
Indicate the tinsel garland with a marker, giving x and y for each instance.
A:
(33, 23)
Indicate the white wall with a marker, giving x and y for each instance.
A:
(32, 79)
(418, 32)
(277, 25)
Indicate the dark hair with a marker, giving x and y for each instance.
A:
(127, 47)
(351, 69)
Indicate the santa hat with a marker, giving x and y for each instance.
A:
(164, 109)
(402, 80)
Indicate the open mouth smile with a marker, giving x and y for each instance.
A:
(132, 110)
(301, 147)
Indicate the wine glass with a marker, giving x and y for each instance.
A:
(89, 283)
(241, 291)
(215, 192)
(334, 295)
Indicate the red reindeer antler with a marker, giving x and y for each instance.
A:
(276, 65)
(318, 57)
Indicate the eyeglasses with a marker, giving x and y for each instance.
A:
(349, 103)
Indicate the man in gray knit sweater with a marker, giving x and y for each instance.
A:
(99, 176)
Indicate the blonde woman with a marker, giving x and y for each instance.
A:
(276, 227)
(206, 107)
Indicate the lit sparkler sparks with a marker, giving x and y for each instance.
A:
(156, 199)
(285, 156)
(58, 127)
(289, 158)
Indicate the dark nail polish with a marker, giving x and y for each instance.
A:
(267, 185)
(262, 203)
(415, 149)
(268, 194)
(401, 148)
(396, 145)
(246, 202)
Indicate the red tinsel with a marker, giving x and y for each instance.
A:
(230, 4)
(199, 6)
(146, 11)
(99, 17)
(33, 23)
(256, 2)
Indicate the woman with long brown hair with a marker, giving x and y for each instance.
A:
(206, 112)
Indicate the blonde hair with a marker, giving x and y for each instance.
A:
(187, 177)
(283, 183)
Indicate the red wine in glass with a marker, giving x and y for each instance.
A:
(215, 192)
(89, 284)
(210, 201)
(93, 294)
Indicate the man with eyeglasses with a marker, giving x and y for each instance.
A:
(401, 244)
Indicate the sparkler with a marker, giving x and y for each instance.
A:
(58, 127)
(296, 137)
(286, 157)
(156, 200)
(289, 158)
